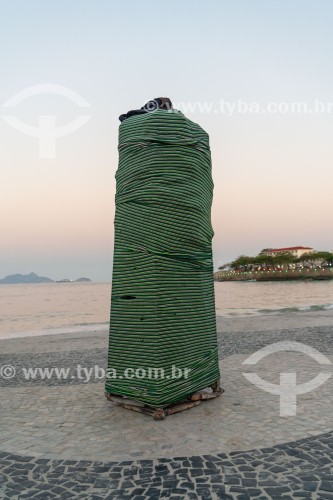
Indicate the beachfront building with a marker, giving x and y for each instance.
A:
(295, 251)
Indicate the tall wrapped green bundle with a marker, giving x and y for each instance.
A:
(162, 338)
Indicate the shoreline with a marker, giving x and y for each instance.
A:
(94, 327)
(235, 324)
(320, 274)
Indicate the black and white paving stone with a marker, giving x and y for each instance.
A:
(302, 469)
(61, 439)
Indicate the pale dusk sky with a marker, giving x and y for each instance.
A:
(272, 167)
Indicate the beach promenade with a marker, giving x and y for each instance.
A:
(61, 439)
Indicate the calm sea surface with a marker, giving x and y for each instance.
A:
(69, 307)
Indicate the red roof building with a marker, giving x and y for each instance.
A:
(296, 251)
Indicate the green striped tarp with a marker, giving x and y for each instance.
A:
(162, 304)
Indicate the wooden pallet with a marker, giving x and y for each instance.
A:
(161, 413)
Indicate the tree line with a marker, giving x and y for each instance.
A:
(281, 260)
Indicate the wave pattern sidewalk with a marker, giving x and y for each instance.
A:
(62, 439)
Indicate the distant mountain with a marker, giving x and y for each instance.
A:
(24, 278)
(34, 278)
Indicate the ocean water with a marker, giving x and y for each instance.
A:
(242, 298)
(69, 307)
(46, 308)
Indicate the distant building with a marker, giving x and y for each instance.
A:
(295, 251)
